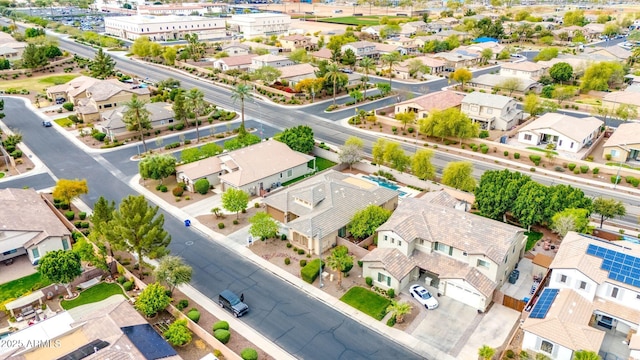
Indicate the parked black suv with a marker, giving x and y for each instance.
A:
(229, 300)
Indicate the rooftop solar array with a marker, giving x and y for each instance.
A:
(148, 341)
(621, 267)
(541, 308)
(86, 350)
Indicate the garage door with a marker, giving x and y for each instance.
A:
(465, 296)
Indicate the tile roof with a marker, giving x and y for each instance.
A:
(386, 48)
(102, 90)
(616, 310)
(236, 44)
(296, 37)
(426, 60)
(361, 44)
(323, 53)
(623, 97)
(237, 60)
(572, 127)
(439, 100)
(627, 133)
(200, 169)
(158, 111)
(494, 80)
(567, 323)
(489, 100)
(270, 58)
(297, 70)
(523, 66)
(24, 210)
(335, 201)
(392, 260)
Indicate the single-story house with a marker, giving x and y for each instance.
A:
(494, 81)
(295, 73)
(457, 59)
(435, 66)
(240, 62)
(317, 210)
(423, 105)
(255, 169)
(29, 226)
(624, 143)
(523, 69)
(614, 99)
(445, 34)
(273, 50)
(275, 61)
(610, 53)
(322, 54)
(566, 133)
(236, 49)
(492, 111)
(160, 114)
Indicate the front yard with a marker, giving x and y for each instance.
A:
(367, 301)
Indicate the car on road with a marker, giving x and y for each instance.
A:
(230, 301)
(347, 71)
(46, 123)
(423, 296)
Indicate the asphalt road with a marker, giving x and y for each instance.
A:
(303, 326)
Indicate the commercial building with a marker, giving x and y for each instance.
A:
(163, 28)
(260, 24)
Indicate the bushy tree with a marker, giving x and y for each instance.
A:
(60, 267)
(157, 167)
(173, 271)
(178, 334)
(497, 192)
(152, 299)
(449, 123)
(201, 186)
(263, 226)
(421, 165)
(102, 66)
(602, 75)
(546, 54)
(608, 208)
(395, 156)
(235, 200)
(462, 76)
(365, 222)
(530, 204)
(561, 197)
(406, 118)
(459, 175)
(298, 138)
(67, 190)
(351, 151)
(570, 220)
(561, 72)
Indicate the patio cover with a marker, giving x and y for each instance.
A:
(25, 300)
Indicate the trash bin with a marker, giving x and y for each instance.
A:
(512, 278)
(517, 272)
(187, 223)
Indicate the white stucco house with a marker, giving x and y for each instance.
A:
(567, 133)
(361, 49)
(492, 111)
(523, 69)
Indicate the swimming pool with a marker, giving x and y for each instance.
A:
(386, 184)
(631, 239)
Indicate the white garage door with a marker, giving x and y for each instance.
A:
(465, 296)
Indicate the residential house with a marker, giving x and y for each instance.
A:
(477, 48)
(255, 169)
(412, 28)
(613, 100)
(373, 31)
(492, 111)
(445, 34)
(523, 69)
(578, 64)
(593, 30)
(294, 42)
(322, 54)
(235, 49)
(294, 73)
(107, 94)
(464, 256)
(11, 49)
(361, 49)
(566, 133)
(29, 226)
(420, 41)
(239, 62)
(457, 59)
(383, 49)
(571, 31)
(624, 143)
(423, 105)
(276, 61)
(317, 211)
(402, 70)
(406, 45)
(254, 46)
(160, 115)
(437, 26)
(591, 302)
(495, 81)
(73, 90)
(259, 24)
(610, 53)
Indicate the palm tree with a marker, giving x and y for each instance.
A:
(399, 310)
(391, 59)
(136, 118)
(586, 355)
(367, 64)
(333, 74)
(195, 102)
(241, 92)
(486, 352)
(340, 261)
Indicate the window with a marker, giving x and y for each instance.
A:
(560, 143)
(614, 292)
(444, 248)
(16, 250)
(289, 173)
(393, 241)
(489, 111)
(65, 244)
(563, 278)
(36, 253)
(384, 279)
(614, 153)
(583, 285)
(483, 263)
(385, 238)
(399, 242)
(527, 137)
(571, 145)
(546, 347)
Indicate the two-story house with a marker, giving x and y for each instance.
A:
(492, 111)
(317, 211)
(592, 301)
(564, 132)
(523, 69)
(362, 49)
(412, 28)
(235, 49)
(404, 69)
(275, 61)
(423, 105)
(104, 95)
(464, 256)
(294, 42)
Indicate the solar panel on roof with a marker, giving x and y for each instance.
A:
(621, 267)
(541, 308)
(86, 350)
(148, 341)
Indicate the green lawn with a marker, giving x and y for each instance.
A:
(321, 164)
(37, 84)
(369, 20)
(93, 294)
(541, 150)
(366, 301)
(19, 287)
(1, 175)
(57, 79)
(532, 239)
(64, 122)
(622, 165)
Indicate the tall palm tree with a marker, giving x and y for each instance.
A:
(399, 310)
(333, 74)
(367, 64)
(241, 92)
(136, 118)
(195, 102)
(391, 59)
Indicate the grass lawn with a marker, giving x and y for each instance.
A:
(64, 122)
(532, 239)
(622, 165)
(370, 20)
(321, 164)
(93, 294)
(541, 150)
(1, 175)
(37, 84)
(366, 301)
(18, 287)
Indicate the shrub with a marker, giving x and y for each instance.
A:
(532, 169)
(584, 169)
(82, 215)
(289, 245)
(99, 136)
(163, 188)
(178, 333)
(256, 205)
(483, 134)
(310, 272)
(303, 263)
(369, 280)
(536, 159)
(194, 315)
(173, 145)
(635, 182)
(70, 215)
(287, 261)
(571, 166)
(595, 171)
(391, 321)
(128, 285)
(506, 153)
(615, 179)
(516, 156)
(202, 186)
(220, 325)
(220, 225)
(629, 179)
(391, 293)
(301, 251)
(360, 263)
(249, 354)
(16, 154)
(283, 237)
(121, 279)
(235, 222)
(68, 106)
(576, 171)
(182, 304)
(177, 191)
(607, 156)
(222, 335)
(484, 149)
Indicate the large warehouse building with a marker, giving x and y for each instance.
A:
(164, 28)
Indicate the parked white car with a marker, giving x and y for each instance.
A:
(423, 296)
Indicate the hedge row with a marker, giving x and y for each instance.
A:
(310, 272)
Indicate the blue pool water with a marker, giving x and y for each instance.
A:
(631, 239)
(386, 184)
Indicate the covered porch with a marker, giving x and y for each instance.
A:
(23, 308)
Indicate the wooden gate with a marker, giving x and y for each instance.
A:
(513, 303)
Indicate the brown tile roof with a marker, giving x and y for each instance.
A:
(386, 48)
(574, 128)
(616, 310)
(523, 66)
(296, 37)
(200, 169)
(238, 60)
(105, 89)
(439, 100)
(567, 323)
(627, 133)
(623, 97)
(323, 53)
(297, 70)
(426, 60)
(391, 260)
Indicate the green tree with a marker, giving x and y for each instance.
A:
(356, 95)
(340, 261)
(406, 118)
(511, 84)
(299, 56)
(459, 175)
(210, 149)
(626, 112)
(575, 17)
(141, 47)
(34, 57)
(235, 200)
(497, 192)
(391, 59)
(137, 118)
(461, 75)
(100, 218)
(532, 104)
(348, 58)
(298, 138)
(449, 123)
(60, 267)
(421, 165)
(586, 355)
(395, 156)
(561, 197)
(378, 151)
(241, 93)
(530, 204)
(157, 167)
(365, 222)
(169, 55)
(383, 88)
(333, 75)
(366, 66)
(102, 65)
(178, 334)
(152, 299)
(179, 108)
(561, 72)
(263, 226)
(351, 151)
(138, 228)
(611, 29)
(416, 66)
(608, 208)
(399, 310)
(173, 271)
(562, 93)
(602, 75)
(486, 352)
(486, 55)
(67, 190)
(196, 104)
(570, 219)
(190, 155)
(268, 74)
(546, 54)
(195, 48)
(86, 251)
